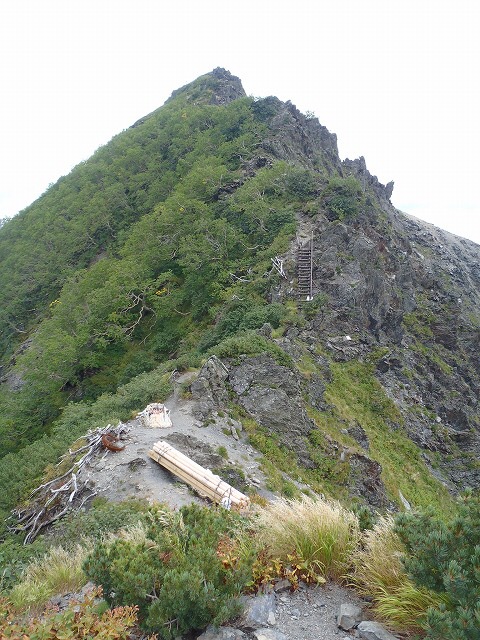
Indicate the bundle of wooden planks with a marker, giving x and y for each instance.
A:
(202, 480)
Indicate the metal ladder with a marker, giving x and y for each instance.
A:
(305, 271)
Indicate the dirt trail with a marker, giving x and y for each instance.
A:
(131, 473)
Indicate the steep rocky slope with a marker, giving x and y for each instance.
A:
(398, 287)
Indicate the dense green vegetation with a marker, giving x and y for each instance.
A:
(124, 263)
(343, 198)
(177, 575)
(182, 570)
(445, 558)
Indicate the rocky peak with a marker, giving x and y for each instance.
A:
(298, 138)
(219, 87)
(358, 168)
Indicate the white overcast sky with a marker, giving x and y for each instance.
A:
(398, 81)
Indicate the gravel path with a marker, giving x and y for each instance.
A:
(311, 612)
(131, 473)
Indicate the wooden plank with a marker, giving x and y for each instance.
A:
(164, 449)
(211, 493)
(215, 491)
(205, 492)
(203, 475)
(199, 478)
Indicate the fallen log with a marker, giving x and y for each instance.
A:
(202, 480)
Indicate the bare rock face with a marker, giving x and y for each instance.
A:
(365, 480)
(271, 395)
(258, 611)
(358, 433)
(228, 87)
(297, 138)
(209, 387)
(402, 286)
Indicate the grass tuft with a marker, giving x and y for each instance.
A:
(58, 571)
(321, 533)
(379, 574)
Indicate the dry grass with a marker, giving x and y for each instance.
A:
(321, 533)
(379, 573)
(59, 571)
(135, 533)
(378, 566)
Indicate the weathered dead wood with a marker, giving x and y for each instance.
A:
(51, 500)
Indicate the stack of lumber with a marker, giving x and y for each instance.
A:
(202, 480)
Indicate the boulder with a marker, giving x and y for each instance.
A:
(349, 616)
(258, 611)
(374, 631)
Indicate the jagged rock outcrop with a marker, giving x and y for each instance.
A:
(275, 397)
(209, 387)
(298, 139)
(271, 394)
(399, 284)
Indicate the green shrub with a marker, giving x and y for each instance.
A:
(249, 343)
(242, 316)
(102, 518)
(445, 557)
(222, 451)
(301, 183)
(315, 306)
(14, 558)
(366, 516)
(175, 575)
(343, 198)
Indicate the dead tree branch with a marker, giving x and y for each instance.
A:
(53, 499)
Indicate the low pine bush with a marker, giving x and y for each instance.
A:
(445, 557)
(176, 574)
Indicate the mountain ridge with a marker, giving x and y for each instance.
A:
(158, 250)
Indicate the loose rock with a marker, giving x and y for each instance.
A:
(374, 631)
(349, 616)
(258, 611)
